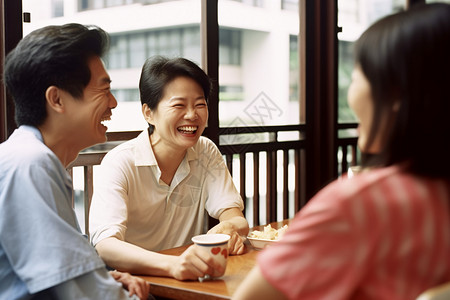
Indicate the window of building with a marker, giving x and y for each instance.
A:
(130, 50)
(354, 17)
(251, 2)
(136, 50)
(289, 5)
(257, 52)
(230, 93)
(293, 69)
(98, 4)
(118, 53)
(191, 44)
(57, 8)
(126, 95)
(229, 47)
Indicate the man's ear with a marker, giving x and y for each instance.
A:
(147, 112)
(53, 97)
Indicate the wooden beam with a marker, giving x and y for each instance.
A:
(209, 28)
(319, 59)
(3, 126)
(11, 32)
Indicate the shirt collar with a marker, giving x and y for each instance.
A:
(33, 130)
(143, 153)
(144, 156)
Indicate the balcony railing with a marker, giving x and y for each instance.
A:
(270, 175)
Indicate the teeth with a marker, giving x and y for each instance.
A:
(106, 118)
(187, 128)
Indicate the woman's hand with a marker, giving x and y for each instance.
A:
(135, 285)
(236, 242)
(193, 263)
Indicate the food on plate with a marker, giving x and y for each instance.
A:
(269, 233)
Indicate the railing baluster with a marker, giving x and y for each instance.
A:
(88, 191)
(256, 208)
(229, 160)
(297, 186)
(271, 195)
(242, 177)
(302, 179)
(285, 184)
(354, 155)
(274, 196)
(70, 171)
(344, 164)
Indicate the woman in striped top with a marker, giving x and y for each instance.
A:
(385, 233)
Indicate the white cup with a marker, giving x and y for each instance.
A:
(216, 245)
(353, 171)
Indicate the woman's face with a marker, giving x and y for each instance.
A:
(181, 115)
(361, 102)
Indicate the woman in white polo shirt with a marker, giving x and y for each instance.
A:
(155, 192)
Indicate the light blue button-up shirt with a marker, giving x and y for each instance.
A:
(41, 246)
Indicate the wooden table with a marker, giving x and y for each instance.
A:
(238, 266)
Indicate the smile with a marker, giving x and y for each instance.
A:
(105, 118)
(187, 129)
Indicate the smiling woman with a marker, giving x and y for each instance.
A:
(179, 118)
(154, 192)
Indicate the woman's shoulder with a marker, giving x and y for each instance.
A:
(203, 140)
(347, 188)
(205, 143)
(391, 184)
(122, 151)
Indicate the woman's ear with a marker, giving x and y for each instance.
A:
(53, 98)
(396, 106)
(148, 113)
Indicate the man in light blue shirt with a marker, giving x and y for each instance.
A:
(61, 92)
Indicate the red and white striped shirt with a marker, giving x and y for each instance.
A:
(383, 234)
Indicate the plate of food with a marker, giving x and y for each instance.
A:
(270, 235)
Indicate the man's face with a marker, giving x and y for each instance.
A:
(95, 106)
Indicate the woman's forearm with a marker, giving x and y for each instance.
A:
(130, 258)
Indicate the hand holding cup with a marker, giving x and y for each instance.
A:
(216, 246)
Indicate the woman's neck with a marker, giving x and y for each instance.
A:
(168, 158)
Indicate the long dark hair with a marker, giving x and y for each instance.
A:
(406, 58)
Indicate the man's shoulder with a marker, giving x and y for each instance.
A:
(24, 152)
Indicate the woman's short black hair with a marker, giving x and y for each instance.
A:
(51, 56)
(406, 59)
(158, 71)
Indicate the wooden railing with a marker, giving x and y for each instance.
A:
(87, 160)
(270, 175)
(273, 168)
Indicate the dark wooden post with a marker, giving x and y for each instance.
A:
(11, 31)
(318, 44)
